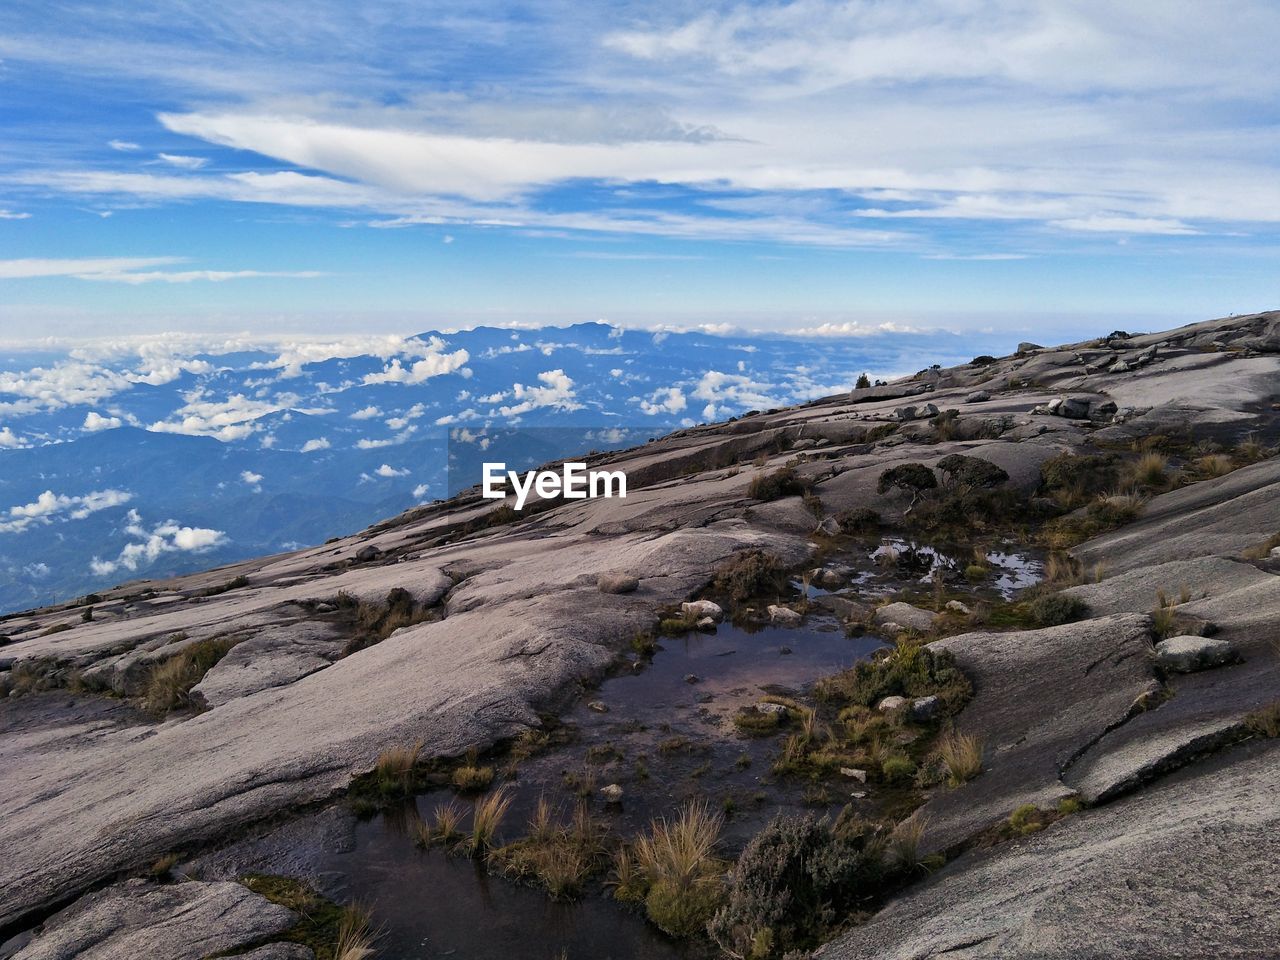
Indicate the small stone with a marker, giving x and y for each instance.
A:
(924, 709)
(858, 794)
(1275, 553)
(1186, 654)
(957, 607)
(707, 624)
(599, 706)
(854, 773)
(784, 650)
(766, 707)
(889, 704)
(827, 527)
(702, 608)
(784, 616)
(806, 444)
(617, 583)
(690, 678)
(612, 793)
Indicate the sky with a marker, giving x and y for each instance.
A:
(315, 166)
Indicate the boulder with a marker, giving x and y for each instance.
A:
(617, 583)
(978, 396)
(955, 606)
(784, 616)
(368, 553)
(697, 609)
(706, 624)
(1186, 654)
(844, 608)
(890, 391)
(853, 773)
(913, 618)
(612, 793)
(1026, 346)
(925, 709)
(921, 412)
(891, 704)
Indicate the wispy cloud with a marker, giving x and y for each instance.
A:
(130, 270)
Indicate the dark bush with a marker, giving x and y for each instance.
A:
(863, 382)
(908, 670)
(774, 486)
(982, 360)
(750, 573)
(1056, 608)
(858, 520)
(1079, 477)
(971, 471)
(914, 478)
(797, 880)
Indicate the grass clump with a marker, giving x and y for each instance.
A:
(1053, 609)
(961, 755)
(445, 826)
(800, 879)
(1151, 469)
(486, 821)
(1073, 480)
(750, 573)
(908, 670)
(234, 583)
(393, 773)
(556, 856)
(332, 931)
(170, 681)
(374, 622)
(857, 521)
(1214, 465)
(784, 482)
(753, 723)
(676, 871)
(472, 778)
(1265, 721)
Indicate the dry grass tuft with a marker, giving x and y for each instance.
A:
(170, 682)
(393, 773)
(1214, 465)
(961, 753)
(355, 936)
(486, 821)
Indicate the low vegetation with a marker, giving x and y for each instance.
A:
(169, 683)
(557, 855)
(961, 755)
(784, 482)
(907, 670)
(673, 870)
(374, 622)
(750, 573)
(331, 931)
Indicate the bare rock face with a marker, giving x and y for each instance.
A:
(1188, 654)
(184, 921)
(913, 618)
(1165, 873)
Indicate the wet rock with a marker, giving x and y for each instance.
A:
(706, 624)
(784, 651)
(891, 704)
(702, 608)
(612, 793)
(978, 396)
(368, 553)
(925, 709)
(599, 706)
(1186, 654)
(137, 918)
(617, 583)
(853, 773)
(905, 614)
(690, 678)
(844, 608)
(828, 527)
(784, 616)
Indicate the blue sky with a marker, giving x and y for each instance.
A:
(1051, 167)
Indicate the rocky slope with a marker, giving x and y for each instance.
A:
(502, 620)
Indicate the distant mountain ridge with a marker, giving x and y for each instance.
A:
(158, 458)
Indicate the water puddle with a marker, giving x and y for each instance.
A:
(665, 739)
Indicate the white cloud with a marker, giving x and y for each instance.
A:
(10, 439)
(64, 384)
(1097, 223)
(226, 420)
(129, 270)
(249, 477)
(150, 545)
(94, 421)
(435, 362)
(665, 400)
(13, 215)
(366, 413)
(386, 470)
(420, 491)
(125, 146)
(181, 161)
(319, 443)
(402, 421)
(855, 328)
(557, 392)
(50, 507)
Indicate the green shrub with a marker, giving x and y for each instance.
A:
(1077, 478)
(858, 520)
(898, 769)
(971, 471)
(774, 486)
(1056, 608)
(913, 478)
(750, 573)
(797, 880)
(909, 670)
